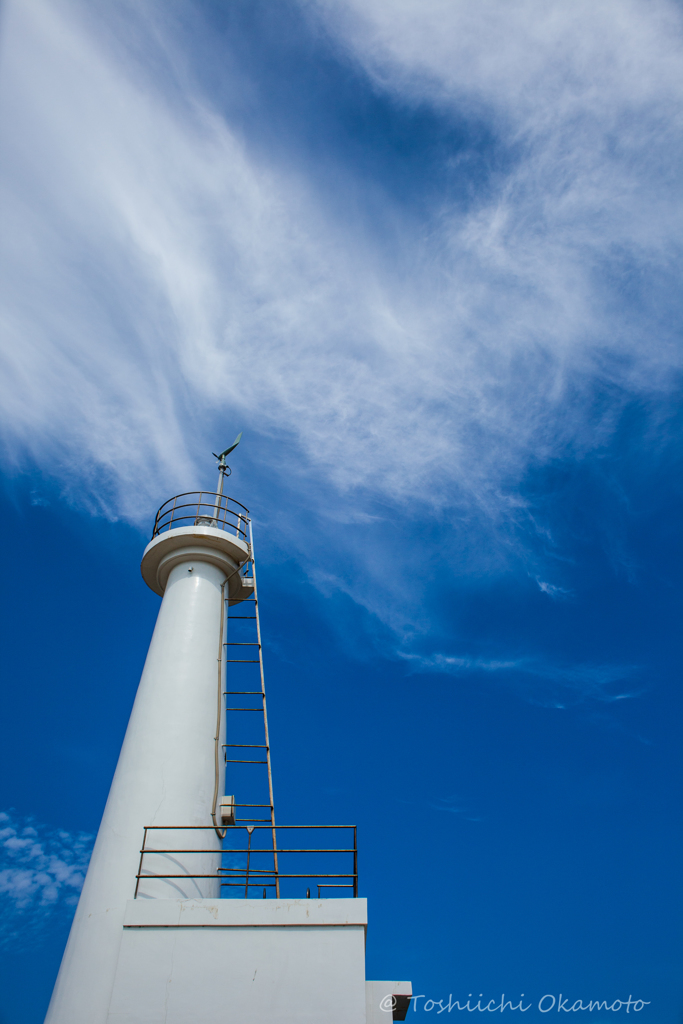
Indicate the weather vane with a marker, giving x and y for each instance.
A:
(223, 468)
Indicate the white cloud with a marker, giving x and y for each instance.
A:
(162, 275)
(459, 663)
(159, 273)
(539, 680)
(551, 589)
(41, 873)
(452, 805)
(585, 99)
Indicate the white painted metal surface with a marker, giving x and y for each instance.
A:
(165, 774)
(223, 549)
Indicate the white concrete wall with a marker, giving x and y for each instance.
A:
(165, 776)
(242, 962)
(383, 999)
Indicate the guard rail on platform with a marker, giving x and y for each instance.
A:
(203, 508)
(254, 860)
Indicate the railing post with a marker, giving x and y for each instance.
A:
(142, 854)
(250, 829)
(355, 862)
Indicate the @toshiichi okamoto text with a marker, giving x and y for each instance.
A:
(500, 1004)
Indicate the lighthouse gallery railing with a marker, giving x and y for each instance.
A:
(203, 508)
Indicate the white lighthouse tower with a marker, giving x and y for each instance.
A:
(168, 926)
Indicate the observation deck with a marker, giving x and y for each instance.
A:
(206, 526)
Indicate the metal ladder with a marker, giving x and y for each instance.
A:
(235, 697)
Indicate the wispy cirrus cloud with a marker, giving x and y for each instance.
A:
(552, 589)
(539, 680)
(452, 805)
(41, 874)
(169, 276)
(158, 264)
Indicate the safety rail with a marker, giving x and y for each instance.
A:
(203, 508)
(250, 874)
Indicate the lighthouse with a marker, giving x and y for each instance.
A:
(197, 907)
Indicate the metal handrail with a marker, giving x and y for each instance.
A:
(254, 877)
(203, 508)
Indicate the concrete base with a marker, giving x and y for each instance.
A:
(387, 1000)
(245, 962)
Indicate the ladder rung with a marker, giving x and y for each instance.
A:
(243, 693)
(261, 746)
(242, 661)
(242, 616)
(255, 819)
(230, 760)
(238, 643)
(243, 709)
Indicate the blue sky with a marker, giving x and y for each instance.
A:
(426, 254)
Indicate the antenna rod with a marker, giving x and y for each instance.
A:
(222, 467)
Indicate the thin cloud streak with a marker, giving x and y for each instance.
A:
(452, 805)
(538, 680)
(552, 590)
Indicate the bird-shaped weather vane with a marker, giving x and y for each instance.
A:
(223, 468)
